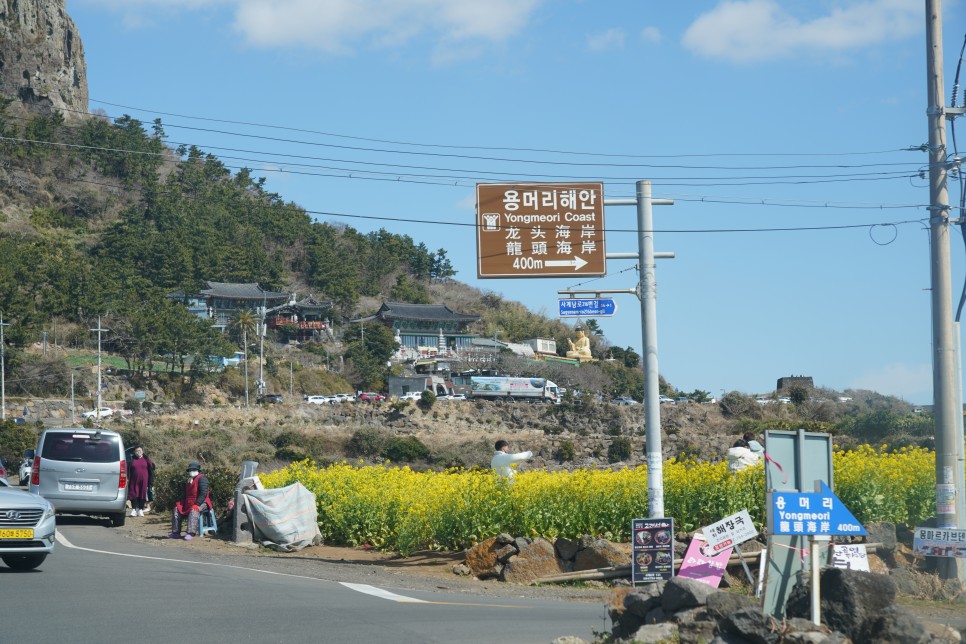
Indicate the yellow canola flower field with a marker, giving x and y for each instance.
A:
(397, 509)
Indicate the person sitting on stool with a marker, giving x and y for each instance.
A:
(195, 488)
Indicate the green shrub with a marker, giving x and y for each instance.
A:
(367, 442)
(619, 449)
(427, 400)
(566, 451)
(14, 439)
(405, 450)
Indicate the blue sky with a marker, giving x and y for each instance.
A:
(781, 130)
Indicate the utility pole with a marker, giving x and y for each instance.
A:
(3, 371)
(949, 438)
(73, 417)
(99, 331)
(261, 351)
(245, 344)
(647, 293)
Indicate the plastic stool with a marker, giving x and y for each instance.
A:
(206, 523)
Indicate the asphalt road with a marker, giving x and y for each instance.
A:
(101, 587)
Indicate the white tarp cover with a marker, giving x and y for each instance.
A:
(284, 518)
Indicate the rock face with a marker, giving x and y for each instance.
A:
(42, 57)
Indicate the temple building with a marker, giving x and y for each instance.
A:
(221, 301)
(424, 330)
(300, 321)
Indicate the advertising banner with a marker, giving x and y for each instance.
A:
(653, 550)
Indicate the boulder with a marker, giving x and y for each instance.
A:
(535, 560)
(696, 632)
(752, 625)
(906, 581)
(883, 532)
(656, 633)
(566, 549)
(482, 559)
(600, 553)
(503, 553)
(629, 608)
(721, 604)
(848, 598)
(681, 593)
(893, 624)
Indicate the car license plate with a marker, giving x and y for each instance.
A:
(26, 533)
(79, 487)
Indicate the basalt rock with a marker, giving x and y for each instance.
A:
(42, 57)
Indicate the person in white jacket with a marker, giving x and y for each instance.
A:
(502, 461)
(739, 456)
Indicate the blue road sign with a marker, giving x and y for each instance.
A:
(590, 308)
(802, 513)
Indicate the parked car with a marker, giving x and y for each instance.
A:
(103, 412)
(412, 395)
(371, 396)
(453, 397)
(81, 471)
(665, 400)
(27, 528)
(269, 399)
(344, 397)
(3, 470)
(321, 400)
(625, 400)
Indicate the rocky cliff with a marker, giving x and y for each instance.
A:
(41, 56)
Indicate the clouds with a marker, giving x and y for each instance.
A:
(752, 30)
(342, 26)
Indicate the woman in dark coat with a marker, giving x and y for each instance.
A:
(140, 478)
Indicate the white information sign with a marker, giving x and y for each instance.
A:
(730, 531)
(939, 542)
(852, 556)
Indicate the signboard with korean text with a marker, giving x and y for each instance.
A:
(939, 542)
(807, 513)
(652, 550)
(730, 531)
(540, 230)
(702, 564)
(587, 308)
(850, 556)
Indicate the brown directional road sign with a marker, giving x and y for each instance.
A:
(540, 230)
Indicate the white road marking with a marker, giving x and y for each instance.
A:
(362, 588)
(384, 594)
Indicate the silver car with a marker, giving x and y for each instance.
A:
(81, 471)
(27, 528)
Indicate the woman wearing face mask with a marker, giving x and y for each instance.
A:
(140, 473)
(193, 503)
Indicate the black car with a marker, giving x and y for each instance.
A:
(269, 399)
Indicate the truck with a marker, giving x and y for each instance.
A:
(511, 389)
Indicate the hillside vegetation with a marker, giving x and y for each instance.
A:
(103, 220)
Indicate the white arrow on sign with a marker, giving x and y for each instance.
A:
(576, 262)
